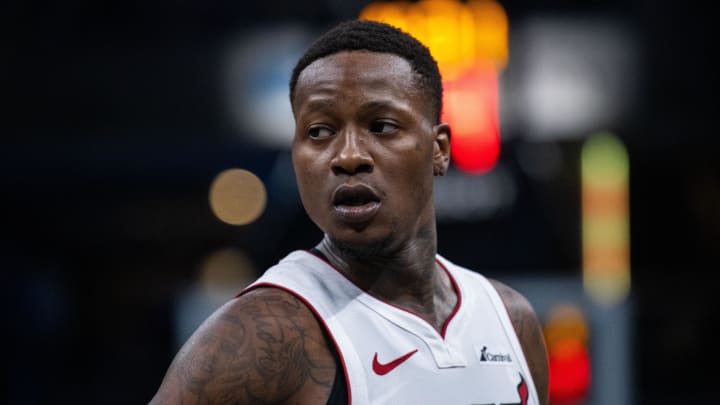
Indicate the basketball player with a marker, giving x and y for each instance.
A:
(372, 314)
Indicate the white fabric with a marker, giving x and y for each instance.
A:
(445, 370)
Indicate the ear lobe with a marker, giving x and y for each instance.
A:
(441, 149)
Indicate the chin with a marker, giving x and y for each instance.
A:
(363, 246)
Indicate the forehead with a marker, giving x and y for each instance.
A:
(359, 74)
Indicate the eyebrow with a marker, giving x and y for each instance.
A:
(384, 105)
(377, 105)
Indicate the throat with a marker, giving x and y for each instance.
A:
(433, 303)
(425, 290)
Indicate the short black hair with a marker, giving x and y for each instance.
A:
(356, 35)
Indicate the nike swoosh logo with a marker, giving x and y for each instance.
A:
(382, 369)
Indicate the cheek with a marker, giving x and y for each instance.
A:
(414, 174)
(308, 175)
(423, 179)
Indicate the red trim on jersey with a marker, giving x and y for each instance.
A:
(317, 316)
(457, 304)
(452, 281)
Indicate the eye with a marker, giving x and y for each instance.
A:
(320, 132)
(383, 127)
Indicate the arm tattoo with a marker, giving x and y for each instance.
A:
(264, 350)
(201, 371)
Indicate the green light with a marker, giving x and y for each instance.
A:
(604, 161)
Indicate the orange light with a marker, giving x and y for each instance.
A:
(491, 32)
(389, 13)
(447, 24)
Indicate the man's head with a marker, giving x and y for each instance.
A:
(367, 144)
(356, 35)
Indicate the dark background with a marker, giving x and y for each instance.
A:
(113, 128)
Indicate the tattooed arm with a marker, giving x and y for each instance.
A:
(527, 328)
(262, 347)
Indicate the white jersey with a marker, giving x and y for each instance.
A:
(392, 356)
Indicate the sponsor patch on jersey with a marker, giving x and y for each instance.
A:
(486, 355)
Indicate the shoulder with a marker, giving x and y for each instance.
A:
(519, 308)
(263, 346)
(529, 332)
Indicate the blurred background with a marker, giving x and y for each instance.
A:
(585, 175)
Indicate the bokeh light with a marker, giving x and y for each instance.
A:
(566, 336)
(256, 71)
(226, 269)
(471, 107)
(605, 218)
(237, 196)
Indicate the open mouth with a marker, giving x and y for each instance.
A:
(355, 204)
(354, 196)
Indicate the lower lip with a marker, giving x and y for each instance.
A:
(357, 213)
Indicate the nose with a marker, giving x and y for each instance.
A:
(353, 156)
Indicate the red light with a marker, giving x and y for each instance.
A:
(569, 372)
(471, 108)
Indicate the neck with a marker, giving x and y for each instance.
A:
(408, 277)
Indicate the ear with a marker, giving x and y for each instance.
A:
(441, 149)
